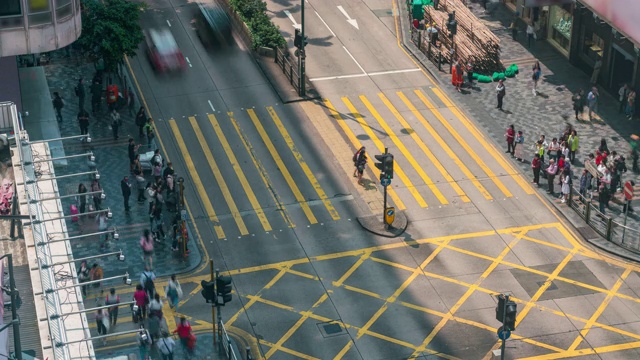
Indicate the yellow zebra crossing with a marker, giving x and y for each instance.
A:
(213, 172)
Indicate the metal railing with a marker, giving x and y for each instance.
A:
(224, 341)
(290, 70)
(605, 226)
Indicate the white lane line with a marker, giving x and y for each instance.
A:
(290, 16)
(366, 74)
(325, 24)
(169, 23)
(393, 72)
(210, 104)
(354, 60)
(188, 62)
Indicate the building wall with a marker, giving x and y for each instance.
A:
(36, 26)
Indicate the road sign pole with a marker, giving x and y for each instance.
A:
(213, 307)
(504, 326)
(301, 59)
(384, 208)
(626, 212)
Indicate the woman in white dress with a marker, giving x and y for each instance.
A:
(566, 184)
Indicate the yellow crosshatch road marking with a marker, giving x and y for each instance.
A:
(303, 164)
(219, 178)
(239, 173)
(283, 169)
(425, 149)
(262, 171)
(491, 149)
(396, 169)
(463, 143)
(444, 146)
(394, 138)
(356, 143)
(206, 202)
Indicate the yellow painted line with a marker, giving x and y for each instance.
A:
(362, 291)
(490, 148)
(204, 196)
(589, 351)
(599, 310)
(464, 144)
(283, 169)
(406, 153)
(303, 164)
(546, 243)
(239, 173)
(226, 193)
(262, 171)
(289, 351)
(465, 297)
(434, 160)
(252, 301)
(302, 274)
(380, 146)
(344, 350)
(205, 259)
(443, 144)
(352, 269)
(357, 144)
(278, 345)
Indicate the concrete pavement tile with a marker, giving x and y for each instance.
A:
(370, 347)
(487, 245)
(582, 306)
(598, 337)
(534, 255)
(620, 355)
(241, 252)
(503, 281)
(402, 256)
(422, 293)
(416, 325)
(452, 263)
(378, 278)
(285, 292)
(477, 301)
(448, 292)
(271, 323)
(539, 322)
(455, 337)
(631, 285)
(618, 312)
(308, 339)
(550, 235)
(576, 270)
(354, 308)
(333, 269)
(251, 283)
(607, 273)
(517, 348)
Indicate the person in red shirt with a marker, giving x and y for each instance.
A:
(141, 299)
(536, 165)
(510, 135)
(184, 331)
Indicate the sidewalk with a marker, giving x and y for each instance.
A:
(546, 113)
(112, 164)
(205, 350)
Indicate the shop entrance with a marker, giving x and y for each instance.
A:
(621, 68)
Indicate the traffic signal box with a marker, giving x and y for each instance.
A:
(508, 317)
(224, 288)
(452, 24)
(385, 165)
(208, 291)
(297, 39)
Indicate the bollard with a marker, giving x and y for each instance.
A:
(439, 60)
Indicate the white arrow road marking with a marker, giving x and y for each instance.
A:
(351, 21)
(295, 24)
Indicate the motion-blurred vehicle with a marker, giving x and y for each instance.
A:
(163, 51)
(212, 25)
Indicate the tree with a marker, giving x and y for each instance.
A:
(110, 30)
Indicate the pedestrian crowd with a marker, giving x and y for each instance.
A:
(154, 180)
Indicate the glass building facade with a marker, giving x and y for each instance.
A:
(36, 26)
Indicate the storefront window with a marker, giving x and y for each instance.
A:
(592, 46)
(561, 22)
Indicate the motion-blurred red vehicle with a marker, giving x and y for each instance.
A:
(163, 51)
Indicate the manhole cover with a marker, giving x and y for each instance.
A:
(551, 287)
(331, 329)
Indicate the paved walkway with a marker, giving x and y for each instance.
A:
(549, 112)
(113, 164)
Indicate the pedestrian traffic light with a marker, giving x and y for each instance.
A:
(506, 312)
(385, 165)
(297, 39)
(452, 24)
(512, 311)
(223, 289)
(208, 291)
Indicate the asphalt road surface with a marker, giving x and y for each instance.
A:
(273, 200)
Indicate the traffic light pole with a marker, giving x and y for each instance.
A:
(504, 326)
(219, 322)
(213, 307)
(301, 59)
(17, 346)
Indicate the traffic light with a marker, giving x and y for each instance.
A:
(223, 289)
(507, 316)
(452, 24)
(512, 311)
(208, 291)
(385, 165)
(297, 39)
